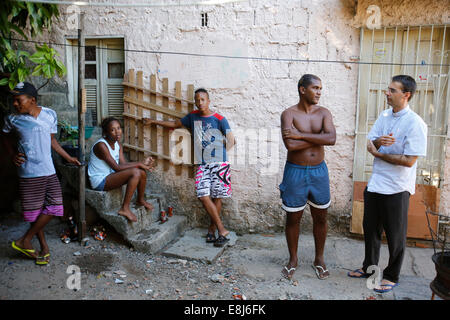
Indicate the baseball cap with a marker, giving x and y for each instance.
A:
(24, 88)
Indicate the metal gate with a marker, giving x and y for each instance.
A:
(423, 53)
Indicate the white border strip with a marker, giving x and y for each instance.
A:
(322, 206)
(289, 209)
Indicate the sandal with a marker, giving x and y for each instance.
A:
(210, 237)
(388, 286)
(28, 252)
(361, 274)
(286, 273)
(43, 260)
(221, 241)
(321, 274)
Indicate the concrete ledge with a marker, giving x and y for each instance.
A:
(157, 235)
(103, 201)
(129, 229)
(193, 246)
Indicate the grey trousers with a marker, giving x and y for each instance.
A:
(388, 213)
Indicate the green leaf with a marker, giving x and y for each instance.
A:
(62, 68)
(3, 81)
(47, 71)
(22, 18)
(37, 70)
(22, 73)
(23, 53)
(38, 58)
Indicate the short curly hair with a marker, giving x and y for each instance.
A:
(106, 122)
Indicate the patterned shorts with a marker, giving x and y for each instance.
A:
(40, 195)
(213, 179)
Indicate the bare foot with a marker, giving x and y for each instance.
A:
(288, 271)
(128, 214)
(358, 273)
(27, 247)
(144, 203)
(321, 271)
(224, 233)
(43, 257)
(385, 286)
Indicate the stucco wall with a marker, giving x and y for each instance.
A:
(250, 93)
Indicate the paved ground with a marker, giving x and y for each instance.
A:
(251, 267)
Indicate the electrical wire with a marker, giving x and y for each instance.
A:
(118, 4)
(239, 57)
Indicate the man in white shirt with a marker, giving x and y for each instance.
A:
(396, 140)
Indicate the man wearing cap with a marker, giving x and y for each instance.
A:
(39, 188)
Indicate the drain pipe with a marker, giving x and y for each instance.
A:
(81, 135)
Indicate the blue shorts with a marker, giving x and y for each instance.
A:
(101, 186)
(305, 184)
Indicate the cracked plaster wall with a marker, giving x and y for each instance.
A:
(251, 94)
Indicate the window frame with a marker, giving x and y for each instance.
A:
(71, 53)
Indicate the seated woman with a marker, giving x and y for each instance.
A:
(109, 170)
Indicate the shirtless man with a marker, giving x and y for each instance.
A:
(306, 128)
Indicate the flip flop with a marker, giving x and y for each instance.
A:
(390, 287)
(362, 274)
(43, 260)
(288, 271)
(210, 237)
(221, 241)
(316, 269)
(24, 251)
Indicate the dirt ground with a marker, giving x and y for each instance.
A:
(250, 268)
(144, 276)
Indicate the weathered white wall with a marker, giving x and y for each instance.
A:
(250, 93)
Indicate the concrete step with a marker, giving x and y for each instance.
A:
(127, 228)
(104, 201)
(109, 201)
(157, 236)
(193, 246)
(155, 214)
(147, 234)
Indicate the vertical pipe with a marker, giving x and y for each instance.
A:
(379, 95)
(430, 163)
(406, 52)
(428, 72)
(417, 52)
(368, 97)
(393, 54)
(81, 137)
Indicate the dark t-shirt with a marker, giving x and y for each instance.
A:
(209, 134)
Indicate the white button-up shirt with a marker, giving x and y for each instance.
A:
(410, 133)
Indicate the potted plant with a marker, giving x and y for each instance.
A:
(68, 136)
(441, 259)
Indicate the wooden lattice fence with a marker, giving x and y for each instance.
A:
(141, 101)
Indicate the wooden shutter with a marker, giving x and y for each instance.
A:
(91, 100)
(115, 100)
